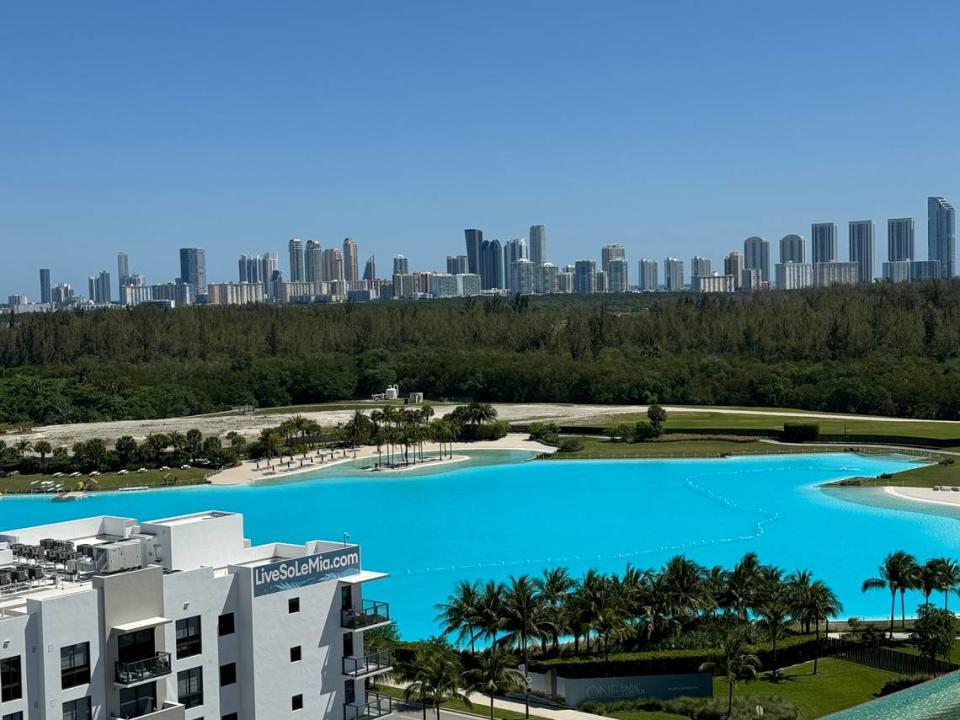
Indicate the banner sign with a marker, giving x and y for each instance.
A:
(308, 570)
(579, 690)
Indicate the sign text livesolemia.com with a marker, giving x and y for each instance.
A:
(297, 572)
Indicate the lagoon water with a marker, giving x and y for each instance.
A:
(489, 521)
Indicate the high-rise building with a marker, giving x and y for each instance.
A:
(861, 248)
(183, 617)
(700, 267)
(312, 262)
(351, 271)
(714, 283)
(401, 265)
(241, 293)
(900, 239)
(751, 279)
(123, 270)
(538, 244)
(823, 242)
(648, 274)
(193, 269)
(370, 269)
(45, 286)
(16, 300)
(513, 251)
(609, 253)
(491, 265)
(297, 263)
(756, 256)
(547, 278)
(794, 275)
(942, 234)
(474, 240)
(99, 288)
(585, 277)
(523, 276)
(927, 269)
(62, 294)
(673, 274)
(826, 274)
(897, 270)
(793, 249)
(617, 275)
(457, 264)
(733, 265)
(331, 266)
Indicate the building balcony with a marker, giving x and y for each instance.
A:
(131, 673)
(376, 706)
(169, 711)
(372, 613)
(375, 663)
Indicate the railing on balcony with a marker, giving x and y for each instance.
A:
(374, 662)
(376, 706)
(372, 612)
(152, 667)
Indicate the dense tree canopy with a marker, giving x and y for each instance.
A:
(884, 349)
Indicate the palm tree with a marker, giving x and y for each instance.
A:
(774, 614)
(461, 614)
(684, 582)
(22, 447)
(554, 588)
(735, 662)
(490, 608)
(44, 448)
(494, 675)
(898, 573)
(436, 677)
(742, 585)
(522, 612)
(948, 576)
(822, 605)
(798, 591)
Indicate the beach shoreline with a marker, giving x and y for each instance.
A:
(928, 496)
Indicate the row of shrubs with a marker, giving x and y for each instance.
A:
(774, 708)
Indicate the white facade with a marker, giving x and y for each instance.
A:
(234, 293)
(794, 275)
(715, 283)
(648, 274)
(182, 619)
(826, 274)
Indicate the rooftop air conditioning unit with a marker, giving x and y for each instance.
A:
(118, 556)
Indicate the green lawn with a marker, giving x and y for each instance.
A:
(111, 481)
(598, 447)
(641, 715)
(479, 708)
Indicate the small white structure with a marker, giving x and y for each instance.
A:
(391, 393)
(414, 398)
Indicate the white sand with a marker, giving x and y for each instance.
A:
(925, 495)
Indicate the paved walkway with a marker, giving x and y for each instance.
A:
(481, 705)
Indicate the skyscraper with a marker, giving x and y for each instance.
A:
(900, 239)
(123, 272)
(370, 269)
(193, 269)
(794, 275)
(474, 240)
(700, 267)
(942, 234)
(513, 251)
(673, 274)
(861, 248)
(538, 244)
(457, 264)
(823, 242)
(351, 273)
(618, 276)
(401, 265)
(312, 261)
(585, 277)
(756, 256)
(733, 265)
(648, 274)
(297, 266)
(99, 288)
(792, 249)
(609, 253)
(491, 265)
(45, 285)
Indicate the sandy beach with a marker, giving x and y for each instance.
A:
(925, 495)
(248, 473)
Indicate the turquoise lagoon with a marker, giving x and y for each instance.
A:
(508, 516)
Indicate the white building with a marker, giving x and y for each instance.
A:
(826, 274)
(715, 283)
(234, 293)
(182, 619)
(794, 275)
(751, 279)
(648, 274)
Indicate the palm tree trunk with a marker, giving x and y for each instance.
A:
(816, 655)
(491, 706)
(903, 610)
(730, 680)
(893, 610)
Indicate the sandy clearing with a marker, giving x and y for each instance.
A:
(925, 495)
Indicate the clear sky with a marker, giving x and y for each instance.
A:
(674, 127)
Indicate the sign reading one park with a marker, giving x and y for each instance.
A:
(578, 690)
(308, 570)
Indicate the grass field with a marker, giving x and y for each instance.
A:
(110, 481)
(601, 448)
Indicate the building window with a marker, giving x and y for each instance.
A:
(296, 702)
(349, 692)
(190, 687)
(226, 625)
(13, 716)
(293, 605)
(296, 654)
(188, 637)
(137, 701)
(78, 709)
(230, 716)
(11, 685)
(346, 597)
(228, 674)
(74, 665)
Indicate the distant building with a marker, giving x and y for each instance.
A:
(474, 240)
(900, 239)
(896, 270)
(715, 283)
(600, 282)
(332, 266)
(927, 269)
(523, 276)
(312, 262)
(609, 253)
(792, 250)
(565, 282)
(826, 274)
(700, 267)
(942, 234)
(547, 278)
(468, 284)
(15, 300)
(648, 274)
(403, 286)
(457, 264)
(673, 274)
(491, 265)
(538, 244)
(99, 291)
(45, 297)
(794, 275)
(585, 277)
(62, 294)
(193, 269)
(513, 251)
(297, 263)
(756, 255)
(370, 269)
(401, 266)
(823, 243)
(123, 270)
(234, 293)
(862, 248)
(733, 265)
(751, 280)
(351, 270)
(618, 276)
(444, 285)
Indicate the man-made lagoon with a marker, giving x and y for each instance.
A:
(490, 521)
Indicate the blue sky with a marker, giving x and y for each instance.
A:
(675, 127)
